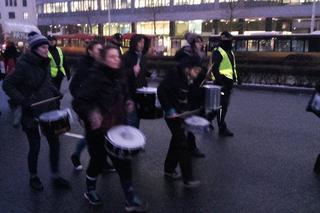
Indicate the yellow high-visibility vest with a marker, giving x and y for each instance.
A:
(53, 66)
(225, 67)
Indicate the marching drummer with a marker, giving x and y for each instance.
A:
(173, 96)
(102, 103)
(135, 66)
(31, 83)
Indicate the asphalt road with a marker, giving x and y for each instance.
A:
(266, 167)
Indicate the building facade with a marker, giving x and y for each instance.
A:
(17, 18)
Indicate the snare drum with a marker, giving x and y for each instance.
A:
(124, 142)
(148, 103)
(54, 122)
(196, 124)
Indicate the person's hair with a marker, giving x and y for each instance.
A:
(193, 43)
(91, 45)
(106, 49)
(189, 62)
(226, 36)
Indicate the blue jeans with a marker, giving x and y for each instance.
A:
(133, 119)
(80, 146)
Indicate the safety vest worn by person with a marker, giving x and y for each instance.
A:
(56, 67)
(225, 67)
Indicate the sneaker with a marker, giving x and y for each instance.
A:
(191, 184)
(76, 162)
(136, 206)
(36, 184)
(197, 153)
(93, 198)
(60, 182)
(225, 133)
(173, 175)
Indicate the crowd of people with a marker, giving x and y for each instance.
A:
(104, 91)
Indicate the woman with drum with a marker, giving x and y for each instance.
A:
(103, 103)
(173, 96)
(31, 83)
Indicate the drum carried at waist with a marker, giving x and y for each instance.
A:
(124, 142)
(196, 124)
(55, 122)
(148, 103)
(212, 96)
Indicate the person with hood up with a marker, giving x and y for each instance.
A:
(135, 65)
(31, 83)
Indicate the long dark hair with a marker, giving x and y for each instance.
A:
(91, 45)
(134, 41)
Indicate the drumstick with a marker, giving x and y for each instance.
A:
(204, 80)
(45, 101)
(187, 113)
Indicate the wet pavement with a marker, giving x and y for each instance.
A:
(266, 167)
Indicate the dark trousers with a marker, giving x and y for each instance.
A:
(179, 150)
(98, 155)
(33, 136)
(222, 113)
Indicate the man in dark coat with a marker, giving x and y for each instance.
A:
(134, 62)
(31, 83)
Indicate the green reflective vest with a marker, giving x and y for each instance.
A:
(225, 67)
(53, 66)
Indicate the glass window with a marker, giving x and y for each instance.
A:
(162, 28)
(283, 45)
(306, 46)
(195, 26)
(241, 45)
(25, 16)
(122, 28)
(15, 3)
(116, 4)
(57, 7)
(10, 2)
(186, 2)
(253, 45)
(7, 2)
(297, 45)
(266, 45)
(12, 15)
(151, 3)
(24, 3)
(84, 5)
(181, 27)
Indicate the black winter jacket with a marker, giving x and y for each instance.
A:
(104, 90)
(81, 74)
(30, 83)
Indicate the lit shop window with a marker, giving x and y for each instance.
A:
(115, 4)
(162, 28)
(186, 2)
(207, 1)
(84, 5)
(122, 28)
(58, 7)
(151, 3)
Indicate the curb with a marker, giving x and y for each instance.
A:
(276, 88)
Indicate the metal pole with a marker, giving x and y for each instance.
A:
(109, 16)
(313, 16)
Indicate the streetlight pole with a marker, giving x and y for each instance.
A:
(109, 16)
(313, 16)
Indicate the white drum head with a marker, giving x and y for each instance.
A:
(147, 90)
(126, 137)
(196, 121)
(53, 115)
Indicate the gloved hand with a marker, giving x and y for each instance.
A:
(60, 95)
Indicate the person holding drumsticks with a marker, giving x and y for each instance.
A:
(103, 103)
(173, 96)
(29, 84)
(135, 66)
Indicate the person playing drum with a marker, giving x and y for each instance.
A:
(31, 83)
(103, 103)
(173, 96)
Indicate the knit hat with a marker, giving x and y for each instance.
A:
(191, 37)
(35, 40)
